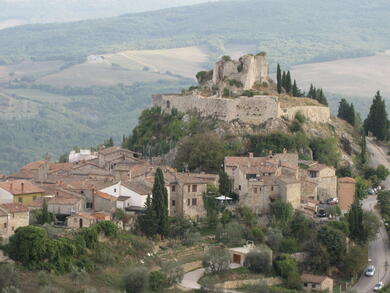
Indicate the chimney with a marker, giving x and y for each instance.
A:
(250, 155)
(22, 186)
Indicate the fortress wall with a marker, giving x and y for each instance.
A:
(312, 113)
(222, 108)
(257, 109)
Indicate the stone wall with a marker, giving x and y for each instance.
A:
(312, 113)
(251, 282)
(251, 110)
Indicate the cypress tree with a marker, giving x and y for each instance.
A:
(160, 203)
(342, 109)
(279, 79)
(147, 222)
(288, 83)
(284, 80)
(376, 121)
(355, 223)
(295, 90)
(225, 187)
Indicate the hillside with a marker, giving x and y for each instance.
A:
(328, 30)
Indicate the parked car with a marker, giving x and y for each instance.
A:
(371, 191)
(333, 201)
(378, 286)
(370, 271)
(321, 213)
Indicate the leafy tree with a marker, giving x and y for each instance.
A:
(335, 242)
(382, 172)
(136, 280)
(300, 227)
(285, 265)
(361, 188)
(355, 261)
(173, 272)
(231, 234)
(325, 150)
(258, 261)
(216, 260)
(201, 152)
(371, 225)
(279, 79)
(376, 121)
(289, 245)
(318, 259)
(344, 171)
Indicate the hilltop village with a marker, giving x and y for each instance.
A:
(274, 205)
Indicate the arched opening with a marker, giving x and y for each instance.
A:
(81, 223)
(168, 104)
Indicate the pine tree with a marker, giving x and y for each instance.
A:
(279, 79)
(160, 203)
(288, 83)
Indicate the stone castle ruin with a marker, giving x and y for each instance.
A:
(233, 90)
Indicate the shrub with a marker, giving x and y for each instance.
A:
(248, 93)
(108, 228)
(173, 273)
(8, 276)
(295, 126)
(258, 262)
(226, 92)
(136, 280)
(289, 245)
(104, 256)
(231, 234)
(226, 58)
(285, 265)
(300, 117)
(157, 281)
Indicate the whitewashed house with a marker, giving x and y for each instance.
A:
(83, 155)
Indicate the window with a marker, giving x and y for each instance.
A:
(194, 201)
(5, 225)
(194, 188)
(188, 201)
(34, 197)
(313, 174)
(173, 202)
(173, 188)
(305, 284)
(88, 205)
(239, 187)
(20, 200)
(313, 286)
(255, 190)
(189, 188)
(272, 188)
(114, 189)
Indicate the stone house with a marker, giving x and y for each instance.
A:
(104, 202)
(315, 283)
(85, 220)
(19, 191)
(324, 179)
(108, 158)
(12, 216)
(346, 189)
(186, 192)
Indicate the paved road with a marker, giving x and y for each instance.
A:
(379, 250)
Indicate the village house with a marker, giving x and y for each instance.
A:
(109, 158)
(19, 191)
(314, 283)
(261, 180)
(12, 216)
(238, 254)
(81, 156)
(85, 220)
(346, 189)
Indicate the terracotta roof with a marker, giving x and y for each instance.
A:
(346, 180)
(105, 195)
(14, 207)
(309, 278)
(20, 187)
(33, 165)
(114, 149)
(23, 174)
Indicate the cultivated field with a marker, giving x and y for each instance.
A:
(357, 77)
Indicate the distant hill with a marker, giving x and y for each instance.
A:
(43, 11)
(293, 32)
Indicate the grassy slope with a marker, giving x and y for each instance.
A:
(307, 30)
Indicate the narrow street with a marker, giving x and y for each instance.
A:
(379, 250)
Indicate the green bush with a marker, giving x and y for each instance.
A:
(289, 245)
(157, 281)
(300, 117)
(258, 261)
(108, 228)
(136, 280)
(285, 265)
(295, 126)
(226, 92)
